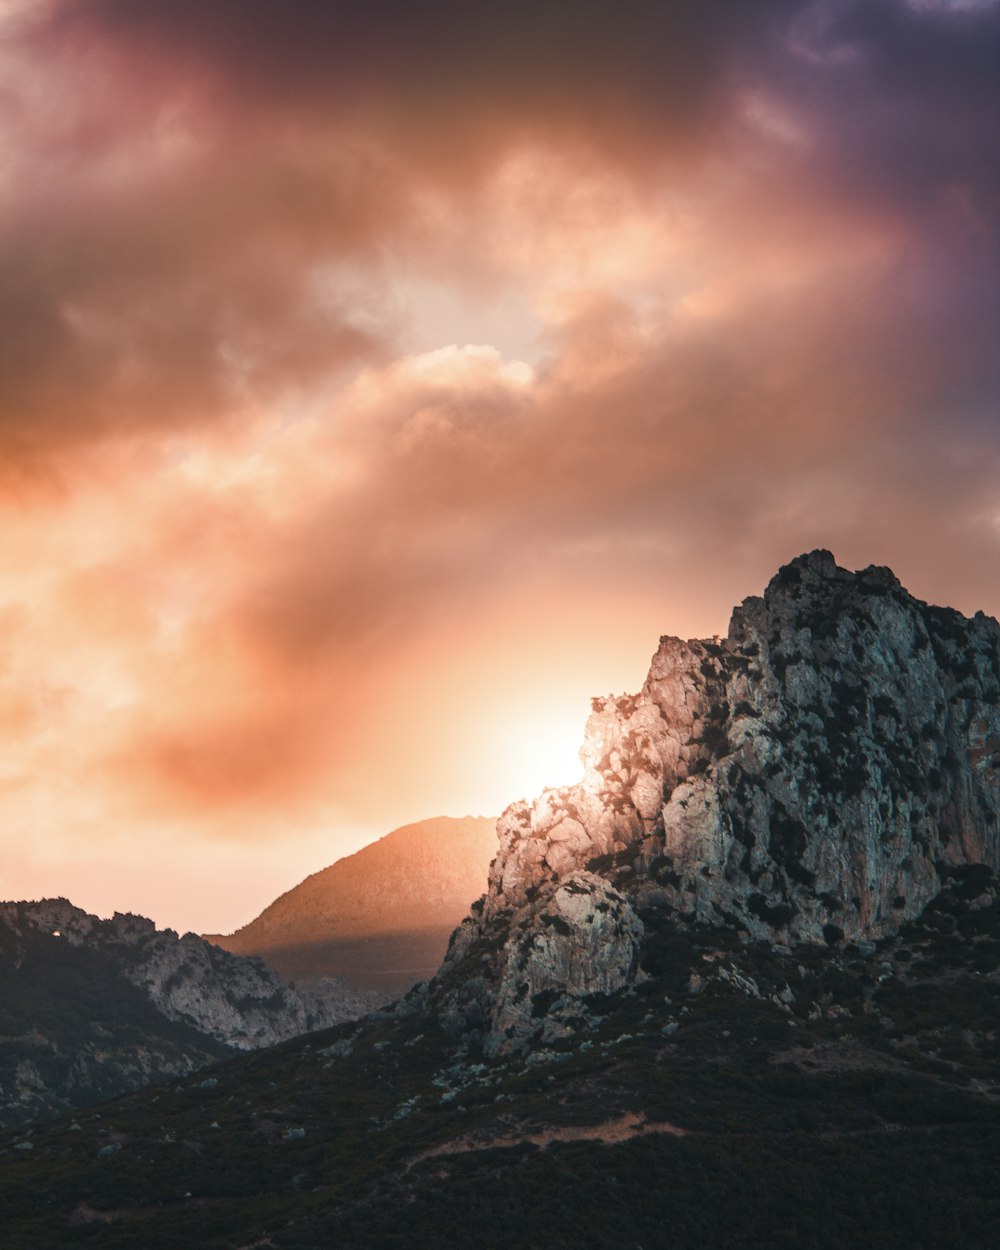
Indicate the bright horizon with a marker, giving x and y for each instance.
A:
(377, 389)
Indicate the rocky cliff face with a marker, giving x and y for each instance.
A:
(807, 778)
(90, 1008)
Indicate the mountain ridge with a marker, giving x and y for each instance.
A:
(93, 1007)
(620, 1049)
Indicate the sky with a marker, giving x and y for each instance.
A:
(379, 381)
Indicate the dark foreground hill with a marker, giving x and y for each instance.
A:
(740, 987)
(380, 918)
(744, 1095)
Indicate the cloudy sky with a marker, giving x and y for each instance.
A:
(379, 381)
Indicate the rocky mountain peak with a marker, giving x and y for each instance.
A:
(805, 779)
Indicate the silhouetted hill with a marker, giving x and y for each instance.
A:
(380, 918)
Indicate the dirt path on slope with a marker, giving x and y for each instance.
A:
(622, 1128)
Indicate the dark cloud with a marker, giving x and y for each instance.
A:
(175, 300)
(438, 52)
(904, 97)
(207, 160)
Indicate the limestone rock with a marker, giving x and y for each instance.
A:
(233, 999)
(583, 939)
(806, 779)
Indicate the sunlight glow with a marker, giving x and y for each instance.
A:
(540, 750)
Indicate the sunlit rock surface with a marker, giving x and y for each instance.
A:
(584, 940)
(804, 779)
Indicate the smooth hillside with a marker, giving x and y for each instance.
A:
(380, 918)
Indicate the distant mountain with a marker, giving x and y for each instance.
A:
(90, 1008)
(380, 918)
(739, 987)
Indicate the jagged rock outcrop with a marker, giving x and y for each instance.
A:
(90, 1008)
(806, 779)
(585, 939)
(234, 999)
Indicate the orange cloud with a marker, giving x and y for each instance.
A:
(376, 391)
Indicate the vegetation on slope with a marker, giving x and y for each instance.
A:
(806, 1097)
